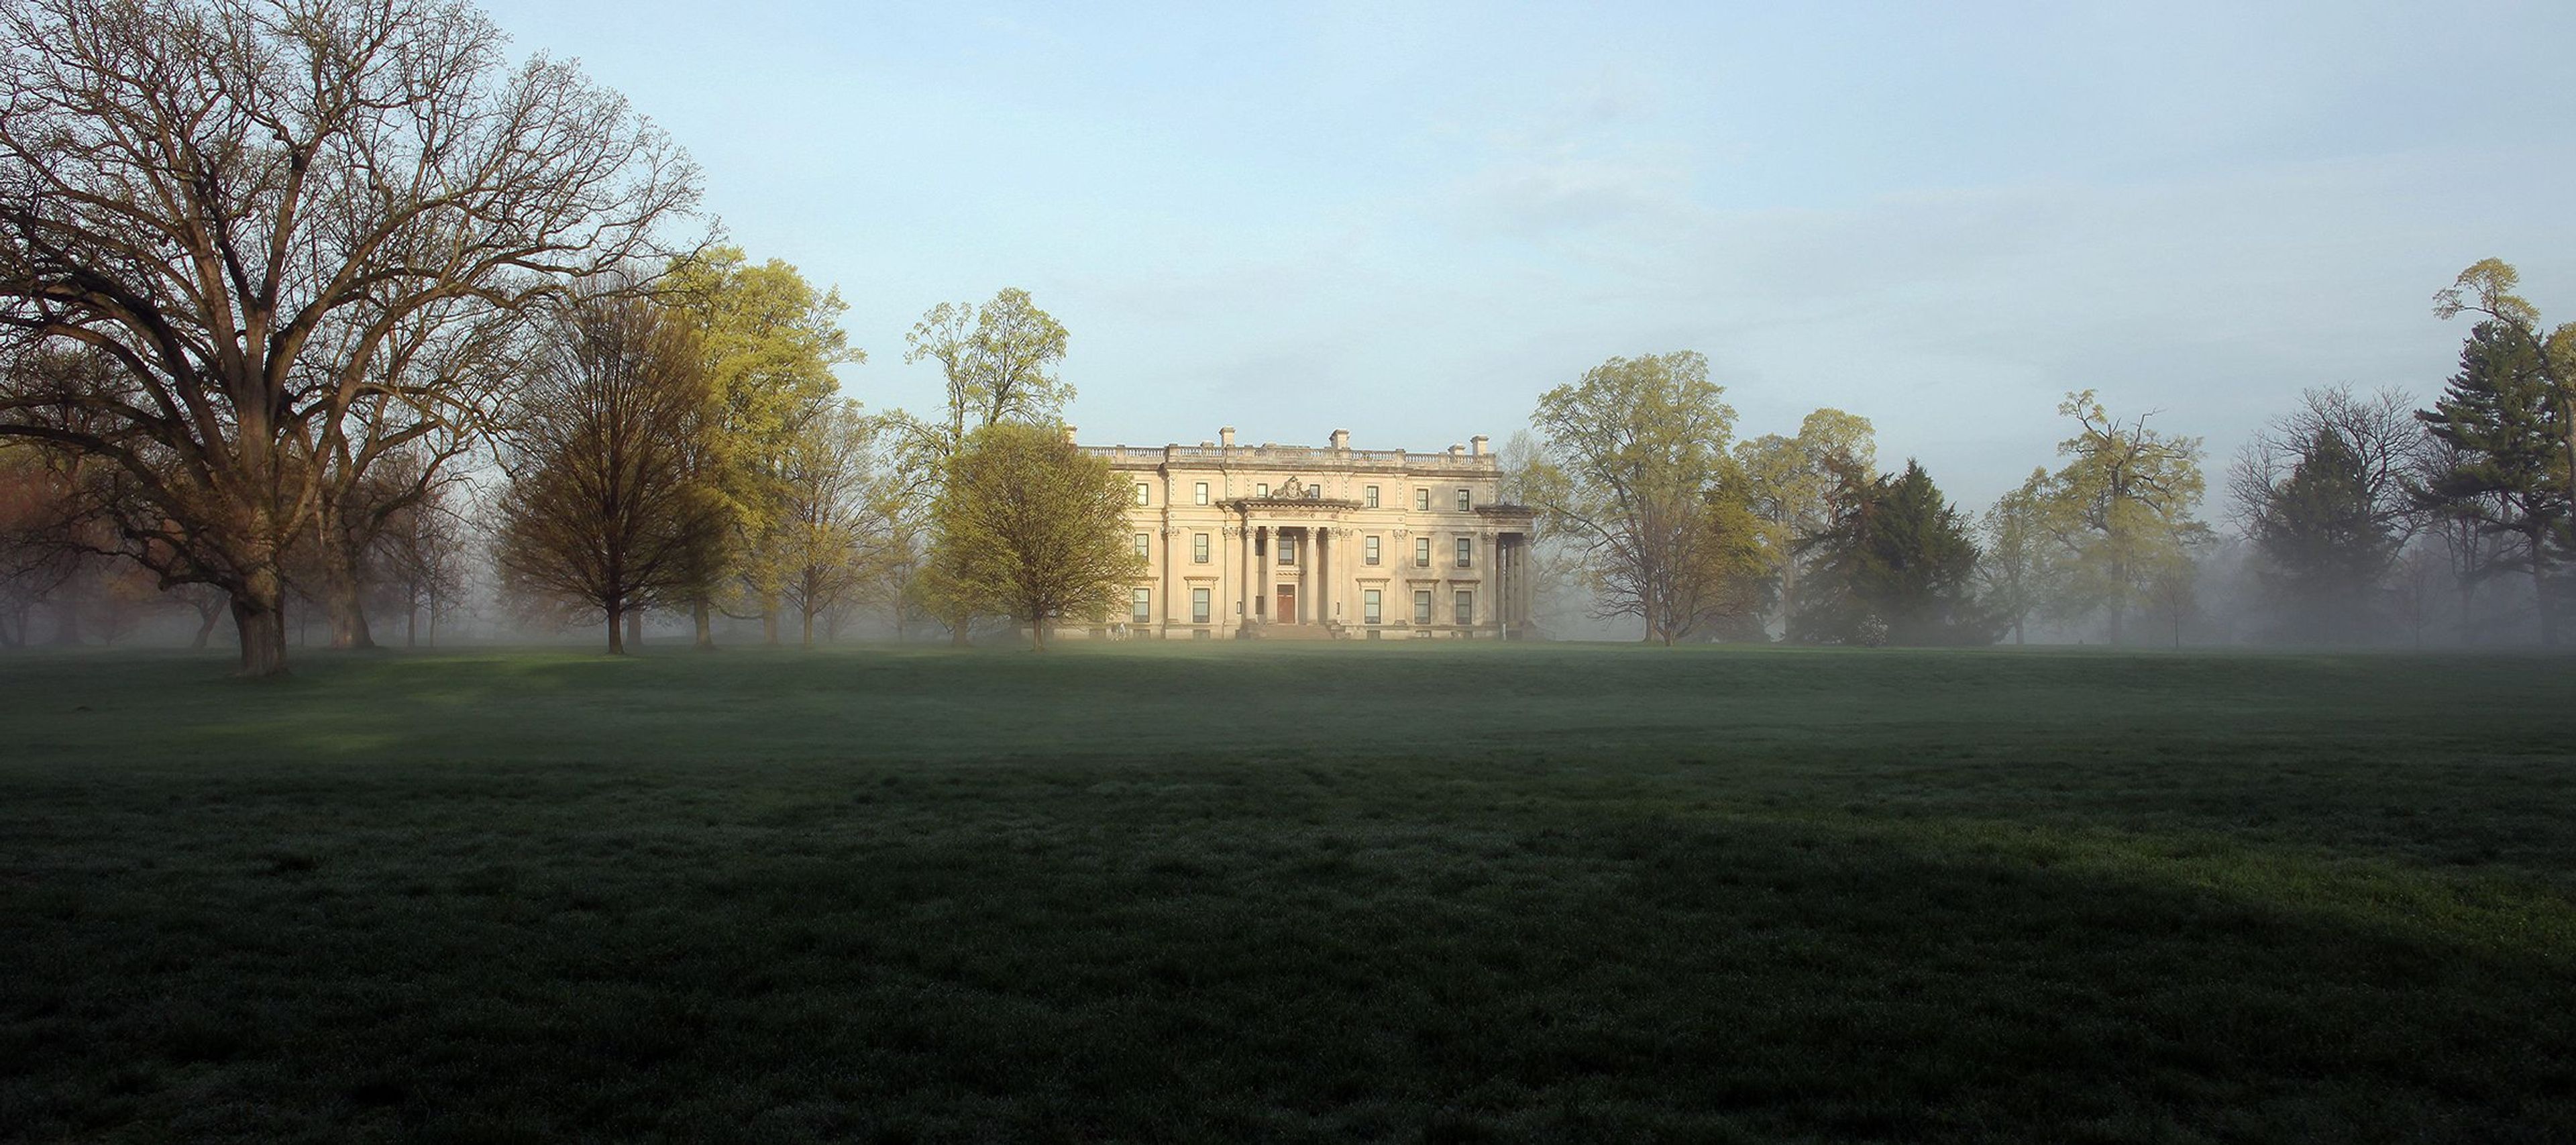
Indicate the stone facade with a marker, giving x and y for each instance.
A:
(1320, 543)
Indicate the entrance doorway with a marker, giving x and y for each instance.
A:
(1287, 604)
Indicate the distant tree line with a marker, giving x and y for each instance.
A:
(2358, 518)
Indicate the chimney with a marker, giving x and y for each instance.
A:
(1068, 435)
(1476, 445)
(1341, 439)
(1225, 436)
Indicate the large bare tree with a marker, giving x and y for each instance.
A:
(239, 203)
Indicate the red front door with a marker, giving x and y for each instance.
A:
(1287, 613)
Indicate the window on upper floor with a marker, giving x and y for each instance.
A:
(1287, 550)
(1368, 550)
(1199, 493)
(1422, 552)
(1368, 496)
(1198, 548)
(1466, 552)
(1261, 490)
(1422, 500)
(1145, 545)
(1144, 493)
(1466, 503)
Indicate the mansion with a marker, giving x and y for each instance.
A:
(1302, 542)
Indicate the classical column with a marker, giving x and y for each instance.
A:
(1243, 590)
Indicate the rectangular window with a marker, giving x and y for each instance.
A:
(1368, 496)
(1261, 490)
(1145, 545)
(1466, 552)
(1369, 606)
(1287, 550)
(1368, 551)
(1200, 493)
(1144, 493)
(1198, 606)
(1465, 503)
(1422, 606)
(1422, 500)
(1198, 548)
(1466, 607)
(1141, 606)
(1422, 552)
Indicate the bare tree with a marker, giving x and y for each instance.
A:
(603, 515)
(424, 552)
(239, 203)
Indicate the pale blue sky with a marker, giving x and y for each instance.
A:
(1408, 221)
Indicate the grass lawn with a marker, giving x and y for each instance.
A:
(1310, 893)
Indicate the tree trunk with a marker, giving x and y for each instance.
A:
(769, 621)
(2118, 613)
(207, 615)
(2540, 597)
(259, 616)
(634, 628)
(343, 589)
(616, 630)
(1037, 630)
(700, 616)
(809, 627)
(957, 630)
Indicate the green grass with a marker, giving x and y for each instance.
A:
(1308, 893)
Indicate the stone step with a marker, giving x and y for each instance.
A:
(1292, 632)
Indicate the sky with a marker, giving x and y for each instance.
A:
(1409, 221)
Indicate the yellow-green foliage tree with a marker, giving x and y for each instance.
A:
(829, 528)
(1790, 483)
(1030, 527)
(1634, 460)
(2120, 512)
(770, 341)
(1000, 363)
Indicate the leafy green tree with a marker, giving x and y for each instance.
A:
(1000, 363)
(1030, 527)
(829, 526)
(1793, 481)
(2120, 512)
(1895, 565)
(1632, 452)
(2508, 434)
(2017, 566)
(771, 341)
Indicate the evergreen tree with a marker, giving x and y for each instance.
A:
(2506, 466)
(2324, 544)
(1896, 566)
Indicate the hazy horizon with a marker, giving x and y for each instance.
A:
(1410, 224)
